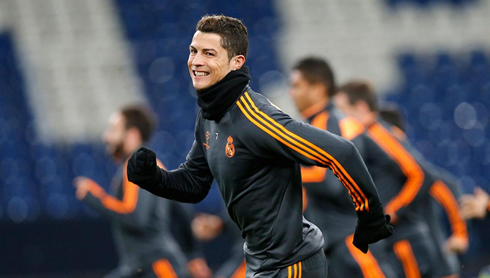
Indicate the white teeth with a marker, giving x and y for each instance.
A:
(200, 73)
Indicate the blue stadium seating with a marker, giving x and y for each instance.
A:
(446, 105)
(36, 179)
(19, 194)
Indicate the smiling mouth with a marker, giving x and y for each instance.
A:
(200, 73)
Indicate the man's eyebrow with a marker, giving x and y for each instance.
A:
(204, 49)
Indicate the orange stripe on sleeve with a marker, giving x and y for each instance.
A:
(95, 189)
(320, 156)
(304, 147)
(130, 195)
(408, 165)
(170, 269)
(355, 198)
(129, 200)
(404, 252)
(444, 196)
(159, 270)
(367, 262)
(241, 271)
(163, 269)
(289, 271)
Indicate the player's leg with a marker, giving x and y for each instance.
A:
(344, 258)
(380, 252)
(415, 255)
(314, 266)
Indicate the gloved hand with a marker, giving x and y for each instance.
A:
(372, 226)
(142, 168)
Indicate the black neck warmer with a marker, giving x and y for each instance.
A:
(217, 99)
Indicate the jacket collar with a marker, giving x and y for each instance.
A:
(217, 99)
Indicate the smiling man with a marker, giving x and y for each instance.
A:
(255, 158)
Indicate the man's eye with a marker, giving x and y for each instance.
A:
(209, 54)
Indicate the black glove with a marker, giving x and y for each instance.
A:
(142, 168)
(371, 227)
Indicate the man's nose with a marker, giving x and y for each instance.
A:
(197, 60)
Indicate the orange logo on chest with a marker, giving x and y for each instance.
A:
(230, 148)
(207, 141)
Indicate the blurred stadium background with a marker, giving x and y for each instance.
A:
(66, 65)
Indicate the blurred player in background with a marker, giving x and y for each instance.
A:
(423, 180)
(312, 87)
(254, 150)
(141, 222)
(443, 193)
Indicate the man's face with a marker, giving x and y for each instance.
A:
(300, 90)
(343, 104)
(208, 61)
(115, 136)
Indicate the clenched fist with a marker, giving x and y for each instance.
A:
(371, 227)
(142, 168)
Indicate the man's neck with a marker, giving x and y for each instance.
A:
(315, 108)
(369, 119)
(217, 99)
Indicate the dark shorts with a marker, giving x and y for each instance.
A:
(312, 267)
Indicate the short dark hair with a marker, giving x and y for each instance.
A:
(360, 90)
(317, 70)
(140, 117)
(391, 114)
(234, 35)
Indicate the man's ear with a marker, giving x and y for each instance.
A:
(318, 89)
(134, 134)
(238, 61)
(363, 107)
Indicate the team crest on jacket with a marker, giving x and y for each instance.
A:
(230, 148)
